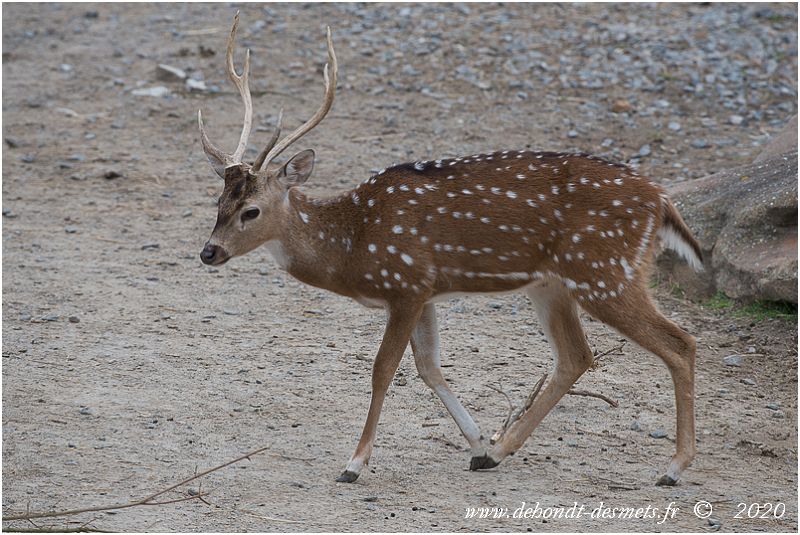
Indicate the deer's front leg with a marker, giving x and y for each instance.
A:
(402, 319)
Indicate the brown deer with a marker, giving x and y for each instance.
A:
(567, 229)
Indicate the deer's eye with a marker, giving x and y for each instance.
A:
(250, 213)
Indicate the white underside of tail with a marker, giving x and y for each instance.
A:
(673, 240)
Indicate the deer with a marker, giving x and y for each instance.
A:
(572, 231)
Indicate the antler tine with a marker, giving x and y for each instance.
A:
(243, 84)
(209, 147)
(330, 90)
(275, 135)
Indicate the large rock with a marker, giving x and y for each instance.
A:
(746, 222)
(783, 142)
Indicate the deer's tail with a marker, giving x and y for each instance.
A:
(676, 235)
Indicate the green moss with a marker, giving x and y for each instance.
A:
(761, 310)
(719, 301)
(758, 311)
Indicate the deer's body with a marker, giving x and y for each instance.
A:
(484, 223)
(567, 229)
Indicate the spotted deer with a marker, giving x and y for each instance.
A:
(572, 231)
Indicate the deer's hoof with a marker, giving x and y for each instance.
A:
(484, 462)
(666, 481)
(347, 477)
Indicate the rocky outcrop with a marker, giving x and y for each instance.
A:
(746, 222)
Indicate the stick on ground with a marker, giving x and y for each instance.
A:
(138, 503)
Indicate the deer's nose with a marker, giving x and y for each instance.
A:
(208, 253)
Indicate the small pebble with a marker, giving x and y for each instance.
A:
(732, 360)
(748, 382)
(658, 433)
(674, 126)
(645, 150)
(150, 245)
(195, 85)
(736, 120)
(168, 73)
(86, 411)
(572, 133)
(74, 319)
(158, 91)
(621, 106)
(699, 143)
(773, 406)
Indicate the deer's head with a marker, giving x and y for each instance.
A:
(252, 198)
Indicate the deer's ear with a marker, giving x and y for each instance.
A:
(297, 170)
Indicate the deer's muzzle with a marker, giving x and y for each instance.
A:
(213, 255)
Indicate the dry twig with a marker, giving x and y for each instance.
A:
(138, 503)
(588, 394)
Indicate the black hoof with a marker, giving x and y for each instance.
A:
(347, 477)
(666, 481)
(484, 462)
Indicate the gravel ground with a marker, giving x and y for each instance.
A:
(127, 364)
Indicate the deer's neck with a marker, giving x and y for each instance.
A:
(316, 239)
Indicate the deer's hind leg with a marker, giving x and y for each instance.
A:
(635, 316)
(558, 316)
(425, 345)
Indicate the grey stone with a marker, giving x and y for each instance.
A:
(732, 360)
(157, 92)
(195, 85)
(745, 220)
(736, 120)
(168, 73)
(658, 433)
(784, 141)
(644, 150)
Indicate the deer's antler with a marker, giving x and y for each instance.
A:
(331, 67)
(272, 150)
(242, 84)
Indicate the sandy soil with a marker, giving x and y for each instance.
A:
(127, 364)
